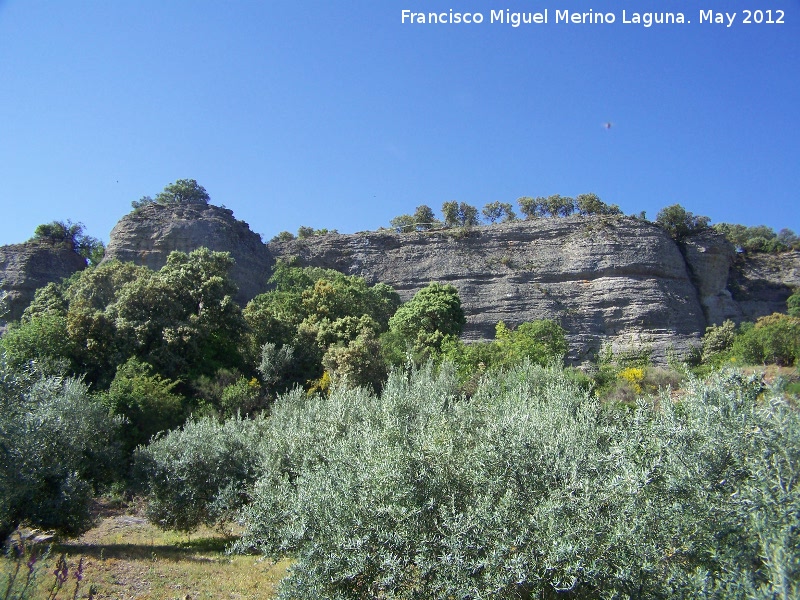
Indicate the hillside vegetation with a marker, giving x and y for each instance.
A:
(330, 424)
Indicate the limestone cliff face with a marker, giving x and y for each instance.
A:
(147, 236)
(709, 257)
(761, 283)
(616, 280)
(24, 268)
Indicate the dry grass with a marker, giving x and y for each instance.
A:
(127, 558)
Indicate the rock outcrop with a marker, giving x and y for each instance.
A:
(610, 280)
(24, 268)
(709, 257)
(147, 235)
(761, 283)
(607, 280)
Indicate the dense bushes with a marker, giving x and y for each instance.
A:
(759, 238)
(200, 473)
(774, 339)
(56, 444)
(530, 487)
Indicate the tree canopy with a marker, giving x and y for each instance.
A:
(71, 235)
(678, 222)
(183, 191)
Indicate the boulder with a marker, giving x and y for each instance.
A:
(147, 235)
(24, 268)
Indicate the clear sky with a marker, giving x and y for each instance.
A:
(338, 115)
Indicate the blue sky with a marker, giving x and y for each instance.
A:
(337, 115)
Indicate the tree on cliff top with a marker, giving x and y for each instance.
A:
(70, 235)
(183, 191)
(678, 222)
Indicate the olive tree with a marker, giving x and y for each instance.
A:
(57, 443)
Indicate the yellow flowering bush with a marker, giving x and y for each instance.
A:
(634, 376)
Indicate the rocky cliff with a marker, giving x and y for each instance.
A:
(761, 283)
(607, 280)
(615, 280)
(26, 267)
(147, 235)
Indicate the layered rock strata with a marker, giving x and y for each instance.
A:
(147, 235)
(606, 280)
(24, 268)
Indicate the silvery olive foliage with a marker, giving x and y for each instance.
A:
(56, 443)
(201, 473)
(530, 488)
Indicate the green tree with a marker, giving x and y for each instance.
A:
(182, 319)
(57, 444)
(492, 211)
(735, 234)
(71, 235)
(243, 397)
(200, 474)
(589, 204)
(277, 366)
(774, 339)
(146, 400)
(788, 238)
(142, 202)
(304, 232)
(359, 362)
(183, 191)
(42, 340)
(560, 206)
(527, 488)
(532, 208)
(718, 339)
(309, 311)
(793, 304)
(424, 218)
(423, 322)
(678, 222)
(499, 210)
(404, 223)
(450, 213)
(283, 236)
(467, 215)
(758, 238)
(539, 342)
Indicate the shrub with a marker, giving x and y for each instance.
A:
(57, 442)
(793, 304)
(530, 488)
(201, 473)
(146, 401)
(41, 339)
(718, 339)
(634, 376)
(679, 223)
(283, 236)
(774, 339)
(244, 397)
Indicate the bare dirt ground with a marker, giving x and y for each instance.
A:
(127, 558)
